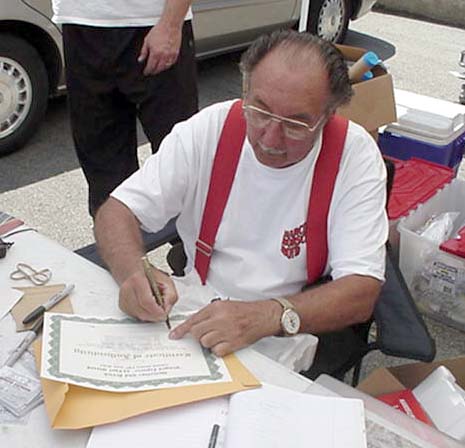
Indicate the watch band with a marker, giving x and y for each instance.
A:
(284, 303)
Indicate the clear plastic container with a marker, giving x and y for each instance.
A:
(436, 279)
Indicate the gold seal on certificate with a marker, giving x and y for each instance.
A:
(124, 355)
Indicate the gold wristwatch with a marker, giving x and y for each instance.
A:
(290, 320)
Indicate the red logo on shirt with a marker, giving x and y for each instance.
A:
(292, 240)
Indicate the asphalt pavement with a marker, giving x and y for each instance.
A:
(448, 12)
(43, 183)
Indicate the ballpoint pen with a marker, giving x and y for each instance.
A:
(40, 310)
(25, 343)
(154, 287)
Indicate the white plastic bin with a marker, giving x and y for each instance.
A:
(435, 278)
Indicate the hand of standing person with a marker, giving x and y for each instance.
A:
(160, 49)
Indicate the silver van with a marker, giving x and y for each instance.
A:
(31, 56)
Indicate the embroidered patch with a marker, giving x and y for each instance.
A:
(292, 240)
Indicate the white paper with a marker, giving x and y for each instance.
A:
(123, 355)
(186, 426)
(271, 417)
(9, 297)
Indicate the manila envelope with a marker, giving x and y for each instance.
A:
(73, 407)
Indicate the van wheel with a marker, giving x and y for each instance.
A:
(329, 19)
(23, 92)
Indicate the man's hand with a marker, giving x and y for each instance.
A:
(161, 48)
(136, 298)
(229, 325)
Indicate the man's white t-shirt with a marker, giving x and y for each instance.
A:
(259, 251)
(109, 13)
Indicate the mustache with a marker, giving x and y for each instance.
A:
(272, 151)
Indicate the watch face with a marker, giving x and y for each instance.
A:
(290, 321)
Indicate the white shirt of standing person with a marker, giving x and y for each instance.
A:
(109, 13)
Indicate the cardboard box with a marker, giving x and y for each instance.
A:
(407, 376)
(373, 102)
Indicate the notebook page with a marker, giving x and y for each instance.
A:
(182, 426)
(271, 417)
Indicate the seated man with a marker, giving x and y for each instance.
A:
(293, 83)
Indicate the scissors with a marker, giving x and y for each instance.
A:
(25, 272)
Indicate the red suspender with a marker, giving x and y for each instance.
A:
(222, 176)
(221, 179)
(324, 178)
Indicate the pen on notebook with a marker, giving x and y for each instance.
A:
(25, 343)
(154, 287)
(40, 310)
(213, 436)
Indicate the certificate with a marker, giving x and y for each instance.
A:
(124, 355)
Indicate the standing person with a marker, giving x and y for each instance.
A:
(124, 60)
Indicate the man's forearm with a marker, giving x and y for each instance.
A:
(174, 12)
(337, 304)
(118, 239)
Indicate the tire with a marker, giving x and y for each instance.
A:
(329, 19)
(24, 92)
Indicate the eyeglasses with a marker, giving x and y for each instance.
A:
(293, 129)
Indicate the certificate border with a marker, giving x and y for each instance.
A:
(53, 359)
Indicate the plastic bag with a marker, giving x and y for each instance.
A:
(439, 228)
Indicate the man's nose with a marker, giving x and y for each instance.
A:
(273, 134)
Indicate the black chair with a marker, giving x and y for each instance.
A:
(168, 234)
(400, 332)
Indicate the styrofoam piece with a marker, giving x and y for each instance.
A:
(428, 126)
(425, 116)
(444, 401)
(411, 100)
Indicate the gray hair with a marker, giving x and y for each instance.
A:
(338, 78)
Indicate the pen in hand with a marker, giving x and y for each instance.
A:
(154, 287)
(26, 342)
